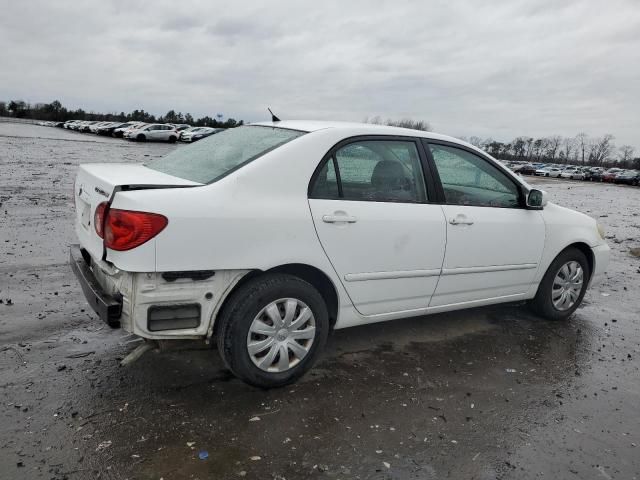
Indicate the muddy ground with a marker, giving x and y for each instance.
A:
(486, 393)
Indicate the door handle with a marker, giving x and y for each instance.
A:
(339, 219)
(460, 220)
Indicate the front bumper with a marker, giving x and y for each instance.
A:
(601, 261)
(108, 307)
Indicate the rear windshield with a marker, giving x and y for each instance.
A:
(218, 155)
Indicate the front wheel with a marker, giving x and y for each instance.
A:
(563, 286)
(141, 138)
(272, 330)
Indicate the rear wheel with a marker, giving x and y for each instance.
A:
(563, 285)
(272, 330)
(172, 139)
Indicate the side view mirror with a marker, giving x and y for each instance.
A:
(536, 199)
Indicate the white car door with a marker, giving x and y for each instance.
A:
(155, 132)
(494, 244)
(371, 211)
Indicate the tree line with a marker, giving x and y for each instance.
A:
(579, 150)
(56, 112)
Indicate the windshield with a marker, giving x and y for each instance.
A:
(220, 154)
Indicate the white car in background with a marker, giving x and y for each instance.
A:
(154, 132)
(265, 237)
(573, 173)
(123, 132)
(184, 133)
(198, 134)
(94, 128)
(548, 172)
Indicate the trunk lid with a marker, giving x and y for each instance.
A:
(99, 182)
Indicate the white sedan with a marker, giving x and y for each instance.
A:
(267, 236)
(548, 172)
(572, 173)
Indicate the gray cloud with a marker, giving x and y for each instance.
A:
(181, 23)
(498, 68)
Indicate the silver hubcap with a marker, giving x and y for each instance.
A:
(281, 335)
(567, 285)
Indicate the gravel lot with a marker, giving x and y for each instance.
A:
(486, 393)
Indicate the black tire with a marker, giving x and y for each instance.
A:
(172, 139)
(542, 304)
(239, 312)
(141, 138)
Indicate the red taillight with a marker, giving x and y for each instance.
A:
(98, 218)
(125, 229)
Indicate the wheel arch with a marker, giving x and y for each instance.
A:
(586, 249)
(308, 273)
(579, 245)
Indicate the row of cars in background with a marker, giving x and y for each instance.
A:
(138, 131)
(576, 172)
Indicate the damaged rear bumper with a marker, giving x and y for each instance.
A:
(108, 307)
(154, 305)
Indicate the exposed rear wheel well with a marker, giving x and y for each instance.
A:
(309, 274)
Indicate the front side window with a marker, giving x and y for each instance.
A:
(218, 155)
(468, 179)
(372, 170)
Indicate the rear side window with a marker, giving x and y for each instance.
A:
(372, 170)
(218, 155)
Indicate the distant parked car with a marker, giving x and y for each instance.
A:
(610, 175)
(110, 128)
(180, 127)
(526, 169)
(86, 127)
(155, 132)
(573, 173)
(628, 177)
(548, 172)
(94, 128)
(594, 174)
(121, 132)
(187, 131)
(199, 134)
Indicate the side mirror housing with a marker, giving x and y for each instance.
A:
(536, 199)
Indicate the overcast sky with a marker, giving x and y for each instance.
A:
(490, 68)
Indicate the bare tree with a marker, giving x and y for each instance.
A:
(377, 120)
(567, 148)
(552, 147)
(537, 147)
(475, 141)
(403, 123)
(581, 143)
(409, 123)
(625, 154)
(601, 149)
(529, 145)
(519, 147)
